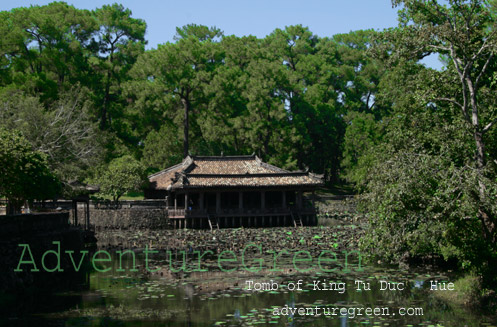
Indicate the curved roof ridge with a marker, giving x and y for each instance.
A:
(271, 174)
(272, 167)
(168, 169)
(220, 158)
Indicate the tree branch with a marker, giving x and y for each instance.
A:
(484, 69)
(439, 47)
(451, 101)
(489, 125)
(480, 51)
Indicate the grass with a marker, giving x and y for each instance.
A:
(337, 189)
(120, 312)
(134, 196)
(467, 292)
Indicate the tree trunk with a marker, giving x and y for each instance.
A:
(480, 150)
(487, 222)
(105, 106)
(9, 209)
(186, 107)
(13, 207)
(105, 109)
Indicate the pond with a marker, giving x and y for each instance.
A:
(298, 293)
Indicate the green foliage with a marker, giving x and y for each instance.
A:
(357, 106)
(121, 39)
(200, 32)
(283, 96)
(176, 74)
(122, 175)
(63, 130)
(24, 173)
(45, 47)
(46, 50)
(162, 149)
(431, 188)
(306, 86)
(363, 133)
(423, 205)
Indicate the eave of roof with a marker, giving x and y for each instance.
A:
(261, 174)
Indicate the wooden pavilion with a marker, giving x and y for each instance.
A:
(234, 191)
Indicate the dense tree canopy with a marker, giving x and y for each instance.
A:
(63, 130)
(285, 97)
(432, 183)
(122, 175)
(24, 173)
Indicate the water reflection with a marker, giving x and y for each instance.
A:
(217, 298)
(291, 304)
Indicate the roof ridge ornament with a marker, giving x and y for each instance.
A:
(188, 161)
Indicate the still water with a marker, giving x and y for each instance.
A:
(222, 298)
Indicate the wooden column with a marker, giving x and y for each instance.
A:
(186, 201)
(240, 200)
(175, 202)
(75, 205)
(263, 200)
(283, 199)
(88, 214)
(218, 202)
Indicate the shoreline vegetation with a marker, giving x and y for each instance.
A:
(470, 294)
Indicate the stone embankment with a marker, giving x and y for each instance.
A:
(39, 231)
(151, 214)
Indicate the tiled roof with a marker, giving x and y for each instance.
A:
(163, 179)
(230, 171)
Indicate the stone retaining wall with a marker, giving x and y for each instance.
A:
(151, 214)
(39, 231)
(336, 205)
(126, 218)
(14, 225)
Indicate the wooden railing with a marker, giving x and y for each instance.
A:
(180, 213)
(176, 213)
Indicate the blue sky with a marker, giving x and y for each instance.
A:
(256, 17)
